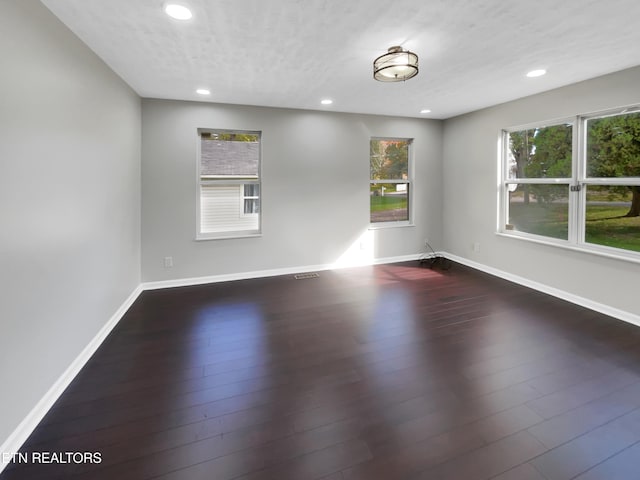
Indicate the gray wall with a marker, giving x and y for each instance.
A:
(470, 194)
(315, 173)
(69, 202)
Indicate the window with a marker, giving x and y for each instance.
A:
(250, 199)
(390, 180)
(612, 180)
(539, 176)
(229, 184)
(576, 182)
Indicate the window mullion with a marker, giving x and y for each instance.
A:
(581, 174)
(576, 202)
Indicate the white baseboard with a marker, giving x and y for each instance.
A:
(35, 416)
(185, 282)
(555, 292)
(402, 258)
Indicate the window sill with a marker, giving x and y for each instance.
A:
(383, 225)
(204, 238)
(601, 252)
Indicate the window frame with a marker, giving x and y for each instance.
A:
(228, 180)
(578, 183)
(409, 182)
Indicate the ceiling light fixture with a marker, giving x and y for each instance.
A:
(203, 91)
(179, 12)
(397, 65)
(425, 110)
(326, 101)
(536, 73)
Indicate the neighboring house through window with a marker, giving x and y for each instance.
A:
(389, 181)
(229, 183)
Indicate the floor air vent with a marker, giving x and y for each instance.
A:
(304, 276)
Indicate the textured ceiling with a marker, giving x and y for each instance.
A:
(293, 53)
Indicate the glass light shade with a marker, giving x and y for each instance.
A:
(397, 65)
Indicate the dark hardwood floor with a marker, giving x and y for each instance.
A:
(390, 372)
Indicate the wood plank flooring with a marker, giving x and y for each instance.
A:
(390, 372)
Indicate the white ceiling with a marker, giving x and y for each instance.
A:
(293, 53)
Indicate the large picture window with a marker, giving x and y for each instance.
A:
(390, 181)
(576, 181)
(229, 184)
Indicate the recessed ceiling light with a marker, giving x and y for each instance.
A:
(177, 11)
(536, 73)
(326, 101)
(203, 91)
(425, 110)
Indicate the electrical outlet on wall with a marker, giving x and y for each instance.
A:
(168, 262)
(476, 246)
